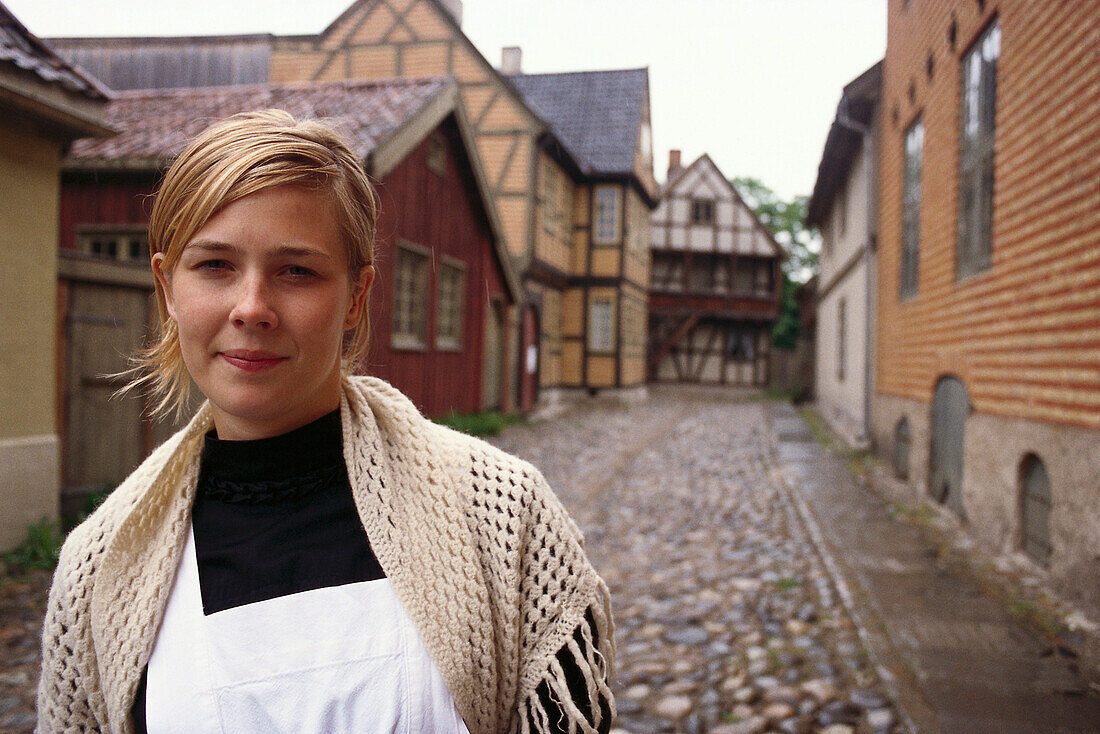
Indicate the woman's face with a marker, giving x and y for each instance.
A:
(261, 296)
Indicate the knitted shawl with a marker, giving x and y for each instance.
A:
(481, 553)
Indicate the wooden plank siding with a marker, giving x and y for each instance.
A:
(442, 214)
(1023, 333)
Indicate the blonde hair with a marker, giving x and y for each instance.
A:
(231, 159)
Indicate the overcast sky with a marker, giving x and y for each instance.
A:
(754, 83)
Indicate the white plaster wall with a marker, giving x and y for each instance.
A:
(842, 402)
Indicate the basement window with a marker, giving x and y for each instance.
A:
(123, 245)
(1035, 509)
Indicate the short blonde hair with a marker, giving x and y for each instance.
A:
(231, 159)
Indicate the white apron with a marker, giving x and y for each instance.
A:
(329, 661)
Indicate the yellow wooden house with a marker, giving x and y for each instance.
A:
(567, 159)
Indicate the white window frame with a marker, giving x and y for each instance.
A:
(601, 324)
(446, 300)
(124, 238)
(599, 235)
(411, 301)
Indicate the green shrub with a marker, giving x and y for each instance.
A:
(477, 424)
(41, 547)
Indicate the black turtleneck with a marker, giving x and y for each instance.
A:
(275, 516)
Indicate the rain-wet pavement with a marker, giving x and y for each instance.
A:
(756, 587)
(727, 619)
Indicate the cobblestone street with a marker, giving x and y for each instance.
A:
(726, 619)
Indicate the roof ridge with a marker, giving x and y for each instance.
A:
(581, 71)
(305, 85)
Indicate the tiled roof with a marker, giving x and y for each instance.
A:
(24, 50)
(596, 114)
(156, 125)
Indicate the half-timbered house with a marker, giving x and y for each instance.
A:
(45, 103)
(595, 221)
(715, 286)
(987, 378)
(530, 170)
(445, 288)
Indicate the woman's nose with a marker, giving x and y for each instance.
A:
(253, 306)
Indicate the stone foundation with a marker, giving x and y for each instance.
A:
(992, 494)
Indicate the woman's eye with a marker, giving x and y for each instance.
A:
(213, 265)
(299, 271)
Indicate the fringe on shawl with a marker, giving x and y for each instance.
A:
(594, 657)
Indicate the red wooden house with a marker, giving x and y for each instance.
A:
(444, 293)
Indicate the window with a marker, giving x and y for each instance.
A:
(739, 345)
(437, 155)
(448, 333)
(668, 271)
(606, 215)
(910, 209)
(410, 298)
(125, 244)
(702, 211)
(1035, 487)
(974, 249)
(555, 202)
(842, 339)
(601, 326)
(763, 285)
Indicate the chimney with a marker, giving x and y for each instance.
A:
(673, 162)
(454, 8)
(511, 60)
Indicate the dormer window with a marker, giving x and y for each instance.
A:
(702, 211)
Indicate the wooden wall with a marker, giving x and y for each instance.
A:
(443, 214)
(1024, 334)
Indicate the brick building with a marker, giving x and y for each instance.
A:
(987, 381)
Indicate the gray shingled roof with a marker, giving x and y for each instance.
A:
(156, 125)
(595, 114)
(24, 50)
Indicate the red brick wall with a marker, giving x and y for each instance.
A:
(1023, 335)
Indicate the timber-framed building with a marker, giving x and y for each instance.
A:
(716, 280)
(547, 193)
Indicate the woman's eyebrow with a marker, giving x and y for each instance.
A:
(280, 251)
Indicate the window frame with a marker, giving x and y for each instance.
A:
(124, 237)
(912, 201)
(977, 153)
(409, 340)
(447, 342)
(593, 329)
(598, 237)
(706, 206)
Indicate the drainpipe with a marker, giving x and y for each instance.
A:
(868, 253)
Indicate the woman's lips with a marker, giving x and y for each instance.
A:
(250, 361)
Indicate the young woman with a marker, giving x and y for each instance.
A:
(309, 554)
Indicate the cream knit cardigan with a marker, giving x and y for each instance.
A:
(481, 553)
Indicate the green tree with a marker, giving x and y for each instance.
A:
(786, 220)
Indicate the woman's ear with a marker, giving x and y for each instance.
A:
(157, 263)
(359, 293)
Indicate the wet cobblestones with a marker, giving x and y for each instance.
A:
(726, 620)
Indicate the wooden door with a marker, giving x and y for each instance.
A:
(491, 382)
(104, 435)
(529, 361)
(950, 409)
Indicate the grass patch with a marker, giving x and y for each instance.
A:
(786, 583)
(39, 549)
(478, 424)
(817, 427)
(1044, 620)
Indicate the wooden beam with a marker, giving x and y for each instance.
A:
(681, 331)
